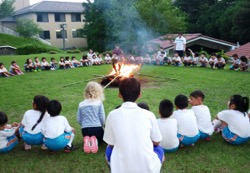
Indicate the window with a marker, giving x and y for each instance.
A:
(75, 17)
(45, 35)
(76, 33)
(60, 17)
(42, 17)
(59, 34)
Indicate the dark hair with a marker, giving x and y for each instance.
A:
(130, 89)
(166, 108)
(187, 53)
(36, 58)
(176, 53)
(197, 93)
(61, 58)
(243, 58)
(181, 101)
(52, 59)
(1, 64)
(213, 54)
(27, 61)
(241, 103)
(12, 62)
(43, 58)
(73, 57)
(3, 118)
(196, 54)
(54, 108)
(41, 103)
(235, 55)
(218, 56)
(143, 105)
(67, 58)
(84, 57)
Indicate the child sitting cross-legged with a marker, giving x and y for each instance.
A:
(234, 122)
(202, 114)
(58, 134)
(30, 128)
(188, 132)
(91, 117)
(4, 72)
(168, 127)
(8, 140)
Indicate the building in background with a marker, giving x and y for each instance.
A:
(51, 16)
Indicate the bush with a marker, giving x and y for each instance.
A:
(223, 55)
(34, 49)
(206, 54)
(74, 51)
(52, 52)
(109, 52)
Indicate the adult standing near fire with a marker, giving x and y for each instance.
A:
(117, 56)
(180, 45)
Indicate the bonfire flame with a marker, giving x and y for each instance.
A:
(124, 70)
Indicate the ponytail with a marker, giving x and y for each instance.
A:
(241, 103)
(41, 105)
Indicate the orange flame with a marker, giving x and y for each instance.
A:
(124, 70)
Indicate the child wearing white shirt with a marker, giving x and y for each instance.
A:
(168, 127)
(195, 57)
(45, 65)
(176, 60)
(236, 62)
(37, 64)
(220, 64)
(213, 60)
(8, 140)
(203, 60)
(75, 63)
(187, 60)
(53, 64)
(234, 122)
(68, 63)
(57, 132)
(15, 69)
(147, 59)
(202, 114)
(30, 128)
(188, 132)
(99, 57)
(243, 63)
(4, 72)
(62, 63)
(107, 59)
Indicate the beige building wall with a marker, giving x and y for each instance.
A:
(19, 4)
(53, 27)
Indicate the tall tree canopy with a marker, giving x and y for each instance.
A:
(129, 23)
(6, 8)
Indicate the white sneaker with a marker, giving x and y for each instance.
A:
(26, 146)
(43, 147)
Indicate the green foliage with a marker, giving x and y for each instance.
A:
(33, 49)
(28, 28)
(223, 55)
(214, 156)
(162, 16)
(52, 52)
(6, 8)
(205, 53)
(74, 51)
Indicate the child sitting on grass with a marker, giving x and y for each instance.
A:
(62, 63)
(176, 60)
(53, 64)
(44, 64)
(29, 66)
(236, 62)
(74, 62)
(234, 122)
(187, 60)
(188, 132)
(91, 117)
(107, 59)
(132, 134)
(202, 114)
(203, 60)
(37, 64)
(243, 63)
(4, 72)
(213, 60)
(168, 127)
(220, 64)
(30, 128)
(8, 140)
(15, 69)
(58, 134)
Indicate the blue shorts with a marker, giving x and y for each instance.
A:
(12, 142)
(170, 150)
(157, 149)
(232, 138)
(203, 135)
(188, 140)
(58, 143)
(31, 139)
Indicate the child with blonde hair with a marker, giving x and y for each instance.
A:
(91, 117)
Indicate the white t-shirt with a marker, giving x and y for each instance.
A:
(213, 60)
(55, 126)
(168, 128)
(186, 120)
(195, 59)
(44, 63)
(3, 70)
(178, 59)
(222, 60)
(61, 63)
(131, 130)
(30, 118)
(237, 61)
(4, 134)
(203, 60)
(180, 43)
(203, 118)
(107, 58)
(187, 58)
(237, 122)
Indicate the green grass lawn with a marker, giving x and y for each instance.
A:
(218, 85)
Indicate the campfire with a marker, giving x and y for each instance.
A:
(120, 71)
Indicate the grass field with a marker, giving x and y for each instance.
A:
(218, 85)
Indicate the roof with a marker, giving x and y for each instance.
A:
(52, 7)
(8, 19)
(3, 47)
(240, 51)
(167, 41)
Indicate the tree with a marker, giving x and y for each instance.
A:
(27, 28)
(6, 8)
(162, 16)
